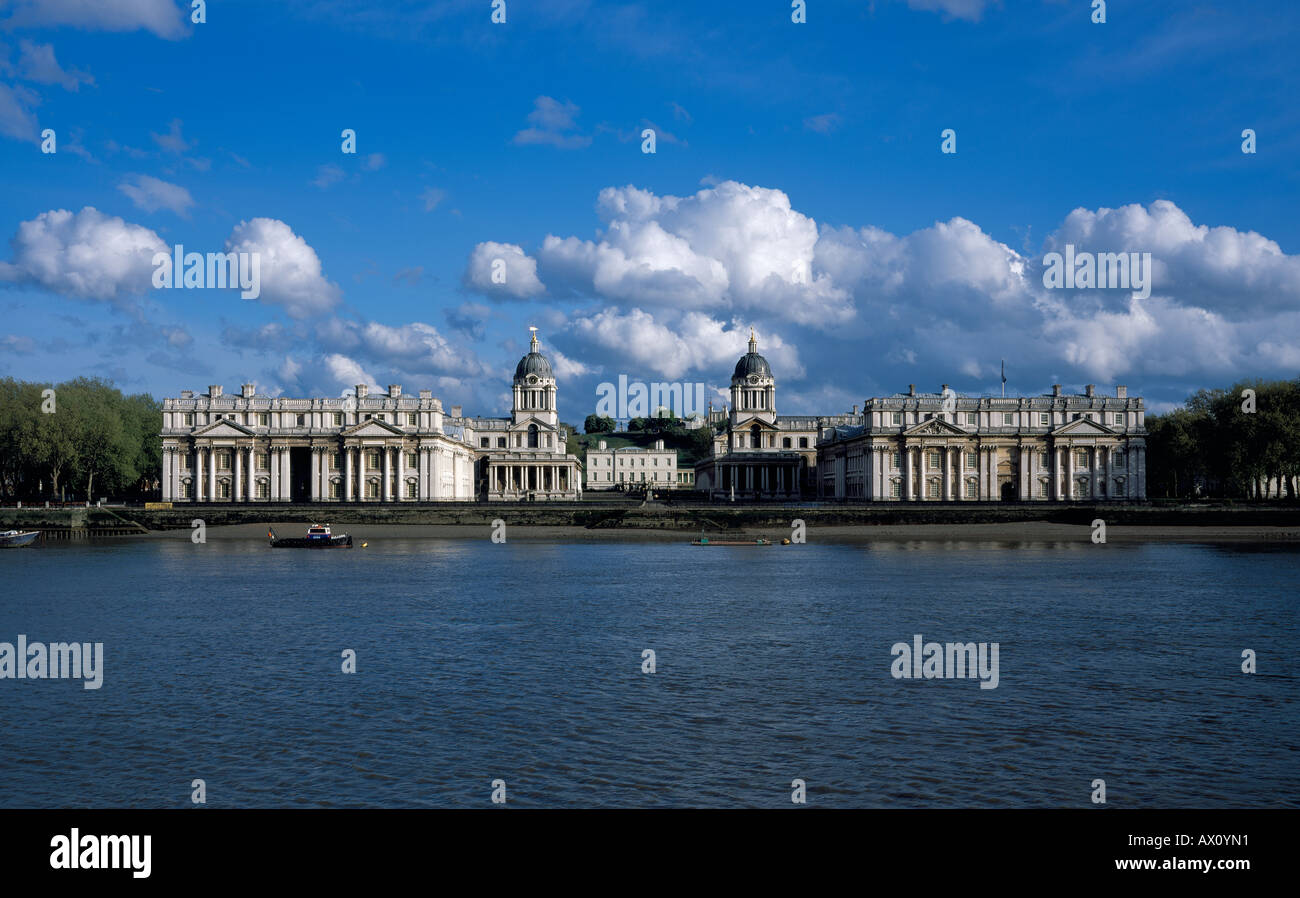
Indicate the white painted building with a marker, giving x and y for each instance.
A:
(654, 468)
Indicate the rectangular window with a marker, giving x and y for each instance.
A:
(223, 489)
(263, 461)
(410, 420)
(933, 489)
(972, 489)
(224, 460)
(264, 420)
(263, 489)
(501, 442)
(410, 489)
(185, 461)
(1119, 420)
(803, 442)
(334, 489)
(336, 460)
(896, 490)
(1008, 419)
(484, 442)
(971, 419)
(898, 417)
(187, 490)
(338, 419)
(894, 460)
(1045, 419)
(972, 460)
(933, 459)
(189, 420)
(302, 420)
(1043, 459)
(411, 460)
(372, 489)
(1042, 489)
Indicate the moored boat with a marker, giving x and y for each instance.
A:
(318, 537)
(12, 539)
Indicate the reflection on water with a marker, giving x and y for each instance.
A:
(522, 661)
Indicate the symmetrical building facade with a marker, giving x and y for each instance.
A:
(356, 448)
(387, 447)
(633, 466)
(944, 447)
(913, 447)
(756, 452)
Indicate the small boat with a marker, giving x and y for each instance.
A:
(705, 541)
(12, 539)
(318, 537)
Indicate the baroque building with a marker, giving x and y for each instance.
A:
(386, 447)
(945, 447)
(757, 453)
(360, 447)
(524, 457)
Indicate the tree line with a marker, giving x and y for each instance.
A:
(1242, 442)
(81, 439)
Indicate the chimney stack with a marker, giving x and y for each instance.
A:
(1121, 392)
(426, 394)
(248, 390)
(362, 390)
(455, 411)
(1056, 389)
(394, 390)
(214, 391)
(1090, 390)
(911, 389)
(601, 444)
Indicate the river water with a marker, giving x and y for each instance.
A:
(523, 662)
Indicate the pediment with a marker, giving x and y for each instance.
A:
(1083, 428)
(223, 428)
(935, 427)
(372, 428)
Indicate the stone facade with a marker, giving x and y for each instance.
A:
(949, 448)
(357, 448)
(756, 452)
(387, 447)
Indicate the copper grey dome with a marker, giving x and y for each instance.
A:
(534, 363)
(751, 362)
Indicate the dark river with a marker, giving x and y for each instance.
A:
(522, 662)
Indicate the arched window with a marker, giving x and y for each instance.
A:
(532, 436)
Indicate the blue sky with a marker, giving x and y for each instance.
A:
(781, 148)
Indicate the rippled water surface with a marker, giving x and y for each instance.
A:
(522, 662)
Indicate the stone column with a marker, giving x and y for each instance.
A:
(1069, 473)
(907, 473)
(401, 472)
(945, 467)
(386, 492)
(238, 474)
(286, 473)
(212, 474)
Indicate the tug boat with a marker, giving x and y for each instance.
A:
(318, 537)
(12, 539)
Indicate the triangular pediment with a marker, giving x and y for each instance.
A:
(372, 428)
(223, 428)
(747, 424)
(1083, 428)
(935, 427)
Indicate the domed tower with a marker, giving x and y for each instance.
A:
(534, 387)
(753, 389)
